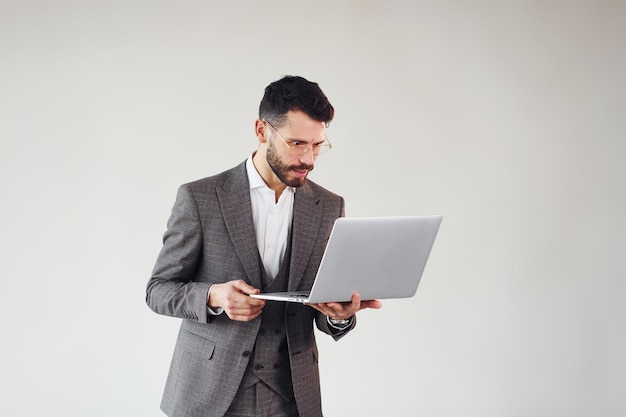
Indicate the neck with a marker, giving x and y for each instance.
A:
(264, 170)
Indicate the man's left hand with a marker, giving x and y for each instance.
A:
(343, 311)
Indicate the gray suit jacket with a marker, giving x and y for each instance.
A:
(210, 239)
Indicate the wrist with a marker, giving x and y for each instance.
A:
(210, 301)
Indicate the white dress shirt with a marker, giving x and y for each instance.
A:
(272, 219)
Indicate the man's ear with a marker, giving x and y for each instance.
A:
(260, 130)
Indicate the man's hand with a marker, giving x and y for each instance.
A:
(232, 296)
(343, 311)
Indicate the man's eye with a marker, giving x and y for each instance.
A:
(297, 143)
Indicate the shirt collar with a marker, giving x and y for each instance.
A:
(254, 178)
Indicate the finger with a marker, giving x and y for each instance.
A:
(353, 304)
(244, 287)
(245, 307)
(241, 291)
(333, 309)
(245, 301)
(236, 301)
(321, 308)
(372, 304)
(244, 312)
(339, 310)
(244, 317)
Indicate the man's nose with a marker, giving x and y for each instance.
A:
(308, 158)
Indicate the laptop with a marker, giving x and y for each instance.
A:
(378, 257)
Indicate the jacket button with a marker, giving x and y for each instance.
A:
(262, 332)
(246, 353)
(258, 367)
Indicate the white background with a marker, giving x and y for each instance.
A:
(506, 117)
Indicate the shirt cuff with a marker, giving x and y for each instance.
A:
(211, 311)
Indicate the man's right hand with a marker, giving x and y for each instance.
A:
(233, 297)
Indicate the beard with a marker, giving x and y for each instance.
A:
(282, 170)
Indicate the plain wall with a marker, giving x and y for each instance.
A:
(507, 118)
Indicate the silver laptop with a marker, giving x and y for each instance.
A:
(378, 257)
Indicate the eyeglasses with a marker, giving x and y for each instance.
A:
(298, 147)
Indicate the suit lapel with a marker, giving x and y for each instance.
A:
(307, 217)
(234, 199)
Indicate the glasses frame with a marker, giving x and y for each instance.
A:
(300, 149)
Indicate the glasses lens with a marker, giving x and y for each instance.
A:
(323, 148)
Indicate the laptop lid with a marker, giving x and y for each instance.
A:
(378, 257)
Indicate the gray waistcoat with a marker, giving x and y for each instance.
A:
(270, 359)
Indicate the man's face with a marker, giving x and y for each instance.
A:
(290, 167)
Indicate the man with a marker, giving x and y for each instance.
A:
(261, 226)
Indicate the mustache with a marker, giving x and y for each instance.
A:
(302, 166)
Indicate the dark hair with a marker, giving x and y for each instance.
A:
(294, 93)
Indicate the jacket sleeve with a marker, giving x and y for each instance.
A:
(171, 290)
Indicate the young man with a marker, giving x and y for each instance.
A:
(261, 226)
